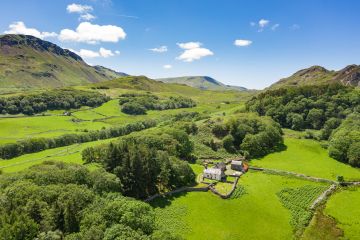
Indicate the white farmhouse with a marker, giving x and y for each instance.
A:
(214, 174)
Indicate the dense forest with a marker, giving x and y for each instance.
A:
(51, 100)
(148, 163)
(345, 141)
(307, 107)
(323, 108)
(67, 201)
(31, 145)
(138, 104)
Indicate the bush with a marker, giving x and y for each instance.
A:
(133, 108)
(137, 104)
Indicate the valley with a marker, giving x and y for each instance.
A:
(90, 153)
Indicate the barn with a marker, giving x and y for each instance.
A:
(237, 165)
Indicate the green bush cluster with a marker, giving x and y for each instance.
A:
(252, 136)
(146, 164)
(32, 145)
(51, 100)
(67, 201)
(138, 104)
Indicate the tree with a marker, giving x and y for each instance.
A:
(353, 154)
(133, 109)
(315, 118)
(295, 121)
(228, 144)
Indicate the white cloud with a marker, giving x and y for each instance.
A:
(160, 49)
(275, 26)
(294, 27)
(105, 52)
(263, 23)
(167, 66)
(242, 42)
(78, 8)
(193, 51)
(189, 45)
(85, 53)
(20, 28)
(93, 33)
(87, 17)
(83, 10)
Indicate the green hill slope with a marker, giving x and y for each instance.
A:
(29, 62)
(201, 82)
(316, 75)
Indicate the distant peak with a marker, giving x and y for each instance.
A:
(36, 43)
(311, 70)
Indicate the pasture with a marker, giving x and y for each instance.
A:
(307, 157)
(206, 216)
(343, 206)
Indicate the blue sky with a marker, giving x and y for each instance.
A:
(188, 37)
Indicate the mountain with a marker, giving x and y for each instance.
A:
(201, 82)
(29, 62)
(315, 75)
(144, 83)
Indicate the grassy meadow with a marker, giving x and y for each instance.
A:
(257, 214)
(307, 157)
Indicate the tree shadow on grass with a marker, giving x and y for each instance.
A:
(280, 148)
(165, 201)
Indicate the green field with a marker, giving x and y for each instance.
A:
(307, 157)
(258, 214)
(344, 208)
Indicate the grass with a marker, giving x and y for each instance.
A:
(70, 154)
(322, 227)
(13, 129)
(256, 215)
(307, 157)
(343, 206)
(298, 200)
(223, 187)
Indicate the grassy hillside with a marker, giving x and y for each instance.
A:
(317, 75)
(29, 62)
(201, 82)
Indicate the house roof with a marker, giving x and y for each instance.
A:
(236, 162)
(220, 165)
(212, 170)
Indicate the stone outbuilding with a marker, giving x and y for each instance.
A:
(237, 165)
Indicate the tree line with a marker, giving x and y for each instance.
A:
(138, 104)
(67, 201)
(33, 145)
(51, 100)
(147, 164)
(308, 107)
